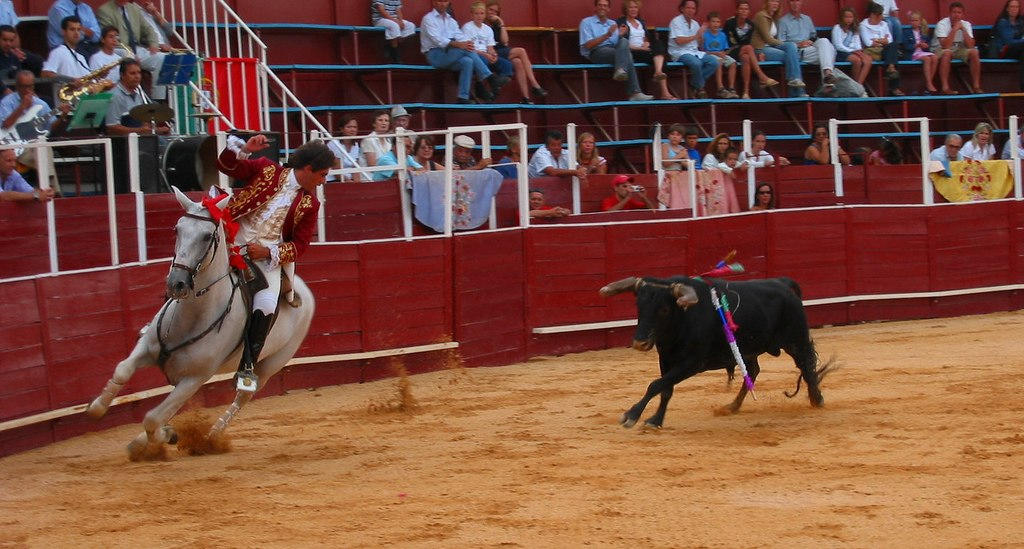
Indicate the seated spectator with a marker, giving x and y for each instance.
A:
(758, 157)
(587, 155)
(879, 45)
(65, 62)
(887, 154)
(684, 34)
(509, 170)
(445, 47)
(7, 15)
(767, 45)
(1007, 40)
(13, 187)
(716, 43)
(17, 119)
(740, 30)
(627, 196)
(954, 39)
(846, 40)
(818, 152)
(764, 198)
(131, 23)
(538, 209)
(108, 53)
(641, 46)
(798, 28)
(399, 119)
(13, 58)
(377, 150)
(718, 192)
(346, 150)
(462, 155)
(980, 146)
(83, 14)
(949, 151)
(553, 160)
(482, 37)
(423, 159)
(1008, 148)
(891, 14)
(673, 150)
(690, 138)
(127, 95)
(523, 68)
(917, 47)
(604, 41)
(388, 15)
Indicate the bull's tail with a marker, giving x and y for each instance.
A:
(821, 370)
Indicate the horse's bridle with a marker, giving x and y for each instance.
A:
(211, 247)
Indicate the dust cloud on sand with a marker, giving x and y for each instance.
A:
(919, 445)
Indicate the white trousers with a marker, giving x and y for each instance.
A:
(822, 53)
(266, 299)
(391, 30)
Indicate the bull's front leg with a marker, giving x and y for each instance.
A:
(662, 385)
(658, 418)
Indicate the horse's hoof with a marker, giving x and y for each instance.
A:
(96, 410)
(651, 425)
(627, 421)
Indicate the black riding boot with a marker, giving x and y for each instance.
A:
(255, 336)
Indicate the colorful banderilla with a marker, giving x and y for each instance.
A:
(722, 306)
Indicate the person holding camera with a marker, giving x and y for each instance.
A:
(628, 196)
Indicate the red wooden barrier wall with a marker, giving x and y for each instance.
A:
(61, 336)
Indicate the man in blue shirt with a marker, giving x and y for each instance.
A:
(13, 186)
(603, 41)
(90, 26)
(798, 28)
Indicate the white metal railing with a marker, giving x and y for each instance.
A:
(401, 169)
(43, 155)
(213, 29)
(837, 168)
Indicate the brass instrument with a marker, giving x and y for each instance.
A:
(94, 82)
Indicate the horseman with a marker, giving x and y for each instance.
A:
(277, 211)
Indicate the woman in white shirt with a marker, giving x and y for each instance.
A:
(980, 146)
(643, 50)
(846, 39)
(878, 43)
(375, 148)
(350, 145)
(758, 157)
(481, 35)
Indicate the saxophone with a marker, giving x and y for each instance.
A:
(94, 82)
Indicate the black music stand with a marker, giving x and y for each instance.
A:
(177, 69)
(91, 111)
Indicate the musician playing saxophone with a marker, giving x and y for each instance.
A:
(128, 94)
(64, 62)
(110, 53)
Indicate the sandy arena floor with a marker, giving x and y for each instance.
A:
(918, 446)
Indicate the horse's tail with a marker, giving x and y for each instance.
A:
(821, 370)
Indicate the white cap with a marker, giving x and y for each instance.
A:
(398, 110)
(464, 141)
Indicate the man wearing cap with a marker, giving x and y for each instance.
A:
(399, 118)
(628, 196)
(462, 155)
(553, 160)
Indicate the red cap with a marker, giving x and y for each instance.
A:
(620, 179)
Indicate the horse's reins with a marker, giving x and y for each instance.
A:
(165, 352)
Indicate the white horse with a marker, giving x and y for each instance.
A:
(198, 331)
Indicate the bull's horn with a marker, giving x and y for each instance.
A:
(624, 285)
(685, 295)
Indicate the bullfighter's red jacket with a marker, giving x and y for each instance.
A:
(263, 179)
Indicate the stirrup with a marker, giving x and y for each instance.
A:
(246, 381)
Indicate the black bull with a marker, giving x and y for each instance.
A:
(677, 316)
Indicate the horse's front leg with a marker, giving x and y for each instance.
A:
(144, 354)
(155, 422)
